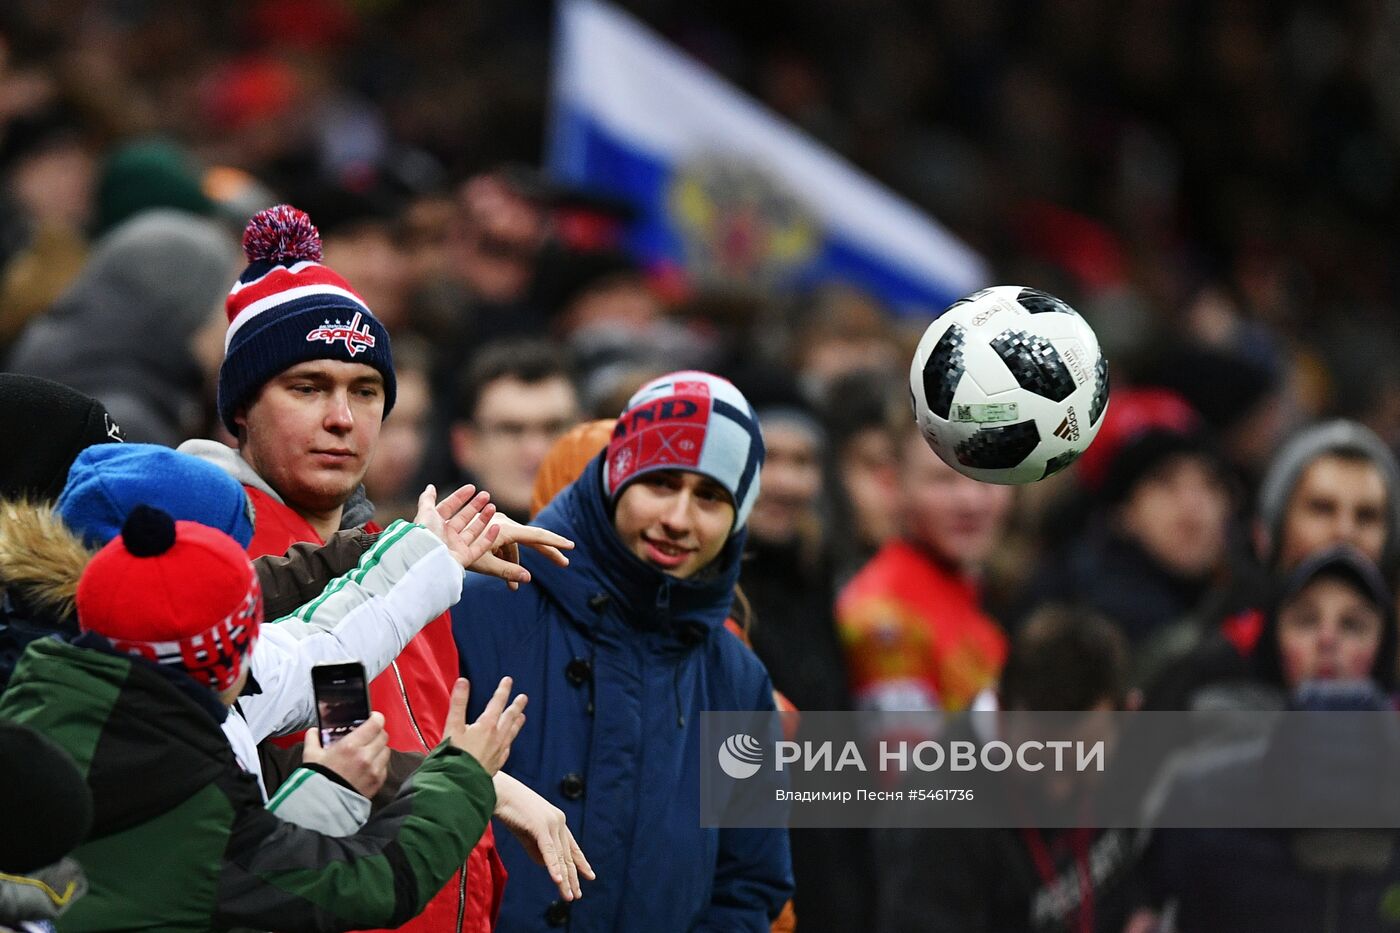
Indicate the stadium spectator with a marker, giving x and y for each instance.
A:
(1332, 483)
(1159, 548)
(1329, 645)
(1329, 621)
(786, 575)
(517, 399)
(912, 621)
(626, 646)
(47, 194)
(1333, 621)
(502, 229)
(123, 330)
(1241, 393)
(863, 420)
(1023, 880)
(786, 578)
(304, 387)
(844, 332)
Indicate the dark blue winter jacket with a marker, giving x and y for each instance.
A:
(618, 660)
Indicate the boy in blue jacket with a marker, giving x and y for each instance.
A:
(621, 652)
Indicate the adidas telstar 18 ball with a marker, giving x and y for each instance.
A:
(1009, 385)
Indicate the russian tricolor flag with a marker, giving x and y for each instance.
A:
(725, 189)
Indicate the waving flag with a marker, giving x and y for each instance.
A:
(725, 189)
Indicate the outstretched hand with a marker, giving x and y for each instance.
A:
(462, 521)
(488, 739)
(544, 833)
(483, 540)
(504, 559)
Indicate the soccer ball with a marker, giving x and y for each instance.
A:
(1009, 385)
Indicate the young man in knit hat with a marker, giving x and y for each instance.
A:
(306, 381)
(180, 839)
(1157, 549)
(624, 650)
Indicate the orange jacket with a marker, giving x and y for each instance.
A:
(915, 633)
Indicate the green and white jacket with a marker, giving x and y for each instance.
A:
(181, 840)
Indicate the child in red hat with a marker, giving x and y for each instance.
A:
(180, 838)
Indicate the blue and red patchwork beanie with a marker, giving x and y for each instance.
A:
(287, 308)
(689, 420)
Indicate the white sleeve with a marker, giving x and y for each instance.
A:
(313, 801)
(307, 798)
(368, 615)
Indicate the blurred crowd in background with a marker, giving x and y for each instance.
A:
(1212, 185)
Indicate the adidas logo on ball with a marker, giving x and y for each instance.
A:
(1069, 428)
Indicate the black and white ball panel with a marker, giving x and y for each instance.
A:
(1100, 400)
(944, 370)
(1038, 302)
(999, 448)
(1035, 364)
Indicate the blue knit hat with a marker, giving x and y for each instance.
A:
(287, 308)
(109, 480)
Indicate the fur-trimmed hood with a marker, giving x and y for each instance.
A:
(40, 563)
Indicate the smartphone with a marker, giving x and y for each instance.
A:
(342, 698)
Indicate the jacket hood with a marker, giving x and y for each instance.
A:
(357, 510)
(145, 741)
(601, 566)
(127, 312)
(1339, 563)
(40, 562)
(227, 459)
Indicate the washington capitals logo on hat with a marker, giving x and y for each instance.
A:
(357, 337)
(288, 307)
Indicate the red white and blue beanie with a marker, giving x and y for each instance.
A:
(287, 308)
(694, 421)
(175, 593)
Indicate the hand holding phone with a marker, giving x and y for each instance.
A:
(342, 699)
(342, 713)
(361, 759)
